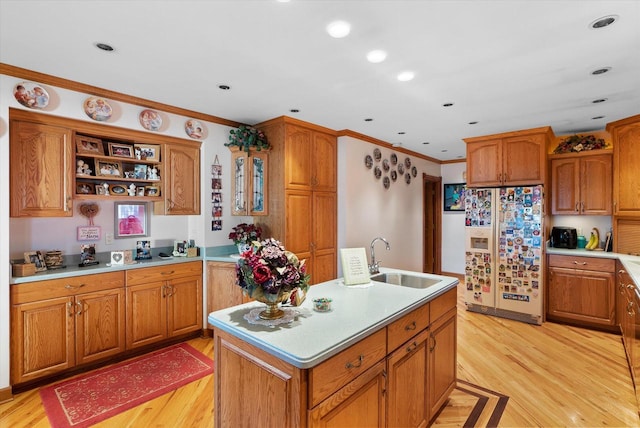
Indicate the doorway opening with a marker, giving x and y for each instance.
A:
(432, 224)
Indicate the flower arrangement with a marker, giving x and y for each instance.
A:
(247, 138)
(578, 143)
(245, 233)
(266, 271)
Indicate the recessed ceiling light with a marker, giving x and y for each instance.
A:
(104, 47)
(368, 119)
(405, 76)
(605, 21)
(426, 142)
(600, 100)
(224, 87)
(447, 104)
(601, 70)
(444, 150)
(475, 122)
(597, 117)
(339, 29)
(401, 132)
(376, 56)
(294, 110)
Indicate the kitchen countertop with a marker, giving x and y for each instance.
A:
(313, 337)
(630, 263)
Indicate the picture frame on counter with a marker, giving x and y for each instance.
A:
(37, 258)
(89, 145)
(131, 219)
(120, 150)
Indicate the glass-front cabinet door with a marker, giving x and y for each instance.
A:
(249, 183)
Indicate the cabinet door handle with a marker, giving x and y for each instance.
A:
(168, 273)
(79, 306)
(73, 287)
(411, 326)
(357, 364)
(412, 347)
(433, 341)
(577, 204)
(630, 310)
(172, 290)
(70, 309)
(67, 206)
(575, 262)
(582, 206)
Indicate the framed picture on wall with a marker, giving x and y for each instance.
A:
(454, 196)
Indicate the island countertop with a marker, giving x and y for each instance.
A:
(313, 337)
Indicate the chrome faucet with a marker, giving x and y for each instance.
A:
(374, 267)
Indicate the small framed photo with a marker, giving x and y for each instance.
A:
(131, 219)
(89, 146)
(140, 191)
(140, 172)
(120, 150)
(37, 258)
(143, 250)
(102, 189)
(152, 190)
(454, 196)
(108, 169)
(118, 190)
(85, 189)
(148, 152)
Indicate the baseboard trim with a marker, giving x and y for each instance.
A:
(6, 395)
(457, 275)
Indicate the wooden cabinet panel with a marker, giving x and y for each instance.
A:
(163, 273)
(581, 295)
(40, 170)
(299, 225)
(509, 159)
(408, 326)
(222, 290)
(42, 338)
(182, 180)
(184, 306)
(298, 152)
(65, 287)
(581, 184)
(359, 404)
(625, 134)
(408, 395)
(325, 165)
(582, 263)
(442, 360)
(100, 325)
(146, 314)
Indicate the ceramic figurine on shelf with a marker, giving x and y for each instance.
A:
(132, 189)
(153, 174)
(83, 167)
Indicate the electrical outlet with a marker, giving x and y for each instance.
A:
(108, 238)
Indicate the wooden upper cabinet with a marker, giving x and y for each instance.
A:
(311, 159)
(509, 159)
(625, 135)
(182, 180)
(581, 184)
(40, 170)
(325, 162)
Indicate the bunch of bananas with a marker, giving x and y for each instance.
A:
(594, 240)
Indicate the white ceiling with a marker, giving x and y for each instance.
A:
(508, 65)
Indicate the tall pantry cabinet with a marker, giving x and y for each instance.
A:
(302, 192)
(625, 134)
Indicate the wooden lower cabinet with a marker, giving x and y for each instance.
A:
(373, 383)
(222, 290)
(581, 290)
(163, 302)
(59, 324)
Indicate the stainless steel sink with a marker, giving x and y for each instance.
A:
(405, 280)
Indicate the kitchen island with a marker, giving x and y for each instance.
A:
(385, 355)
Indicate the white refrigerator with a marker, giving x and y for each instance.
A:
(504, 252)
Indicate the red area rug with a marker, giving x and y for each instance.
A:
(100, 394)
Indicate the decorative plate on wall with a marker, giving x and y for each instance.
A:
(31, 95)
(385, 165)
(377, 172)
(407, 163)
(377, 155)
(386, 182)
(97, 109)
(194, 129)
(400, 169)
(414, 171)
(394, 159)
(150, 119)
(368, 161)
(407, 178)
(394, 175)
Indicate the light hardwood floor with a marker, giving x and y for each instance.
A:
(555, 375)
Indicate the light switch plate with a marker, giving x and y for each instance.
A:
(108, 238)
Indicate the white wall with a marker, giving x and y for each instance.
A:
(367, 210)
(453, 224)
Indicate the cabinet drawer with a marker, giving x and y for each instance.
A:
(63, 287)
(443, 304)
(408, 326)
(163, 273)
(584, 263)
(337, 371)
